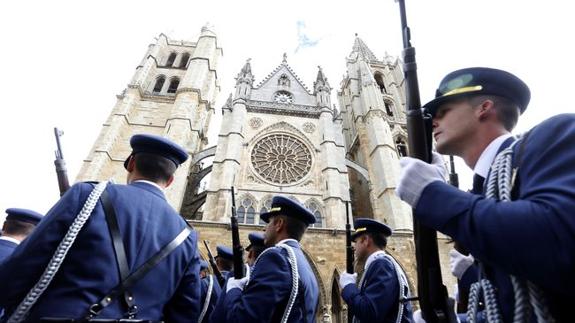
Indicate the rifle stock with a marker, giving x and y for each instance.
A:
(60, 164)
(214, 266)
(433, 298)
(237, 246)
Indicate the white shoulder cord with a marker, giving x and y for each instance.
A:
(58, 258)
(403, 287)
(295, 277)
(208, 297)
(527, 295)
(402, 280)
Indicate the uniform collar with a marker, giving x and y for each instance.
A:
(488, 155)
(292, 242)
(376, 255)
(150, 186)
(10, 239)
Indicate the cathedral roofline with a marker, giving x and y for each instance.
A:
(286, 65)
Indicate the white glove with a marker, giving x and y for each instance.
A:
(415, 175)
(238, 283)
(459, 263)
(417, 318)
(346, 279)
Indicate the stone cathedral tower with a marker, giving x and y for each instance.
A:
(171, 94)
(372, 102)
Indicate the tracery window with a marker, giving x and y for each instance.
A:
(315, 209)
(184, 60)
(246, 212)
(174, 83)
(281, 158)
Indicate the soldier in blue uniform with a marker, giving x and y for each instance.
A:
(255, 248)
(530, 236)
(225, 261)
(282, 282)
(383, 287)
(18, 225)
(211, 291)
(146, 223)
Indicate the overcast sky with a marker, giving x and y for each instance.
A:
(65, 61)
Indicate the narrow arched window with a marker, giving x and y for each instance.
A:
(401, 147)
(171, 59)
(246, 211)
(174, 83)
(159, 84)
(184, 60)
(388, 108)
(380, 83)
(314, 208)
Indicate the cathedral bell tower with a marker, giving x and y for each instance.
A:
(171, 94)
(372, 101)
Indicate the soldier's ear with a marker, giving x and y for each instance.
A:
(131, 163)
(170, 180)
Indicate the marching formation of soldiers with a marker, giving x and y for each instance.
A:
(108, 252)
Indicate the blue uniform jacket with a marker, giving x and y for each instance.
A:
(6, 249)
(377, 300)
(266, 295)
(170, 291)
(216, 292)
(532, 237)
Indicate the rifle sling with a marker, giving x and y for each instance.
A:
(128, 280)
(118, 245)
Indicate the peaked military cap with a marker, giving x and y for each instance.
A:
(256, 239)
(363, 225)
(146, 143)
(285, 206)
(23, 215)
(480, 80)
(225, 252)
(203, 265)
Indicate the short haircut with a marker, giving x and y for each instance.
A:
(154, 167)
(226, 264)
(378, 238)
(15, 227)
(295, 228)
(507, 111)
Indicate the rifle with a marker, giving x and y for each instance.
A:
(463, 292)
(215, 268)
(348, 247)
(237, 246)
(433, 298)
(60, 164)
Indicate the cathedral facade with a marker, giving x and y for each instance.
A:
(276, 137)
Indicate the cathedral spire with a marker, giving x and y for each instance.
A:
(244, 80)
(322, 89)
(362, 50)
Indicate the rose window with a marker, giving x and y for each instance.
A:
(281, 158)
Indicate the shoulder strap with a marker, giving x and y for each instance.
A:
(119, 250)
(133, 278)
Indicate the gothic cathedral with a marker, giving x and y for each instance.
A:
(276, 137)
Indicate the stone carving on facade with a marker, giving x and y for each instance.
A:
(308, 127)
(256, 122)
(283, 108)
(284, 80)
(281, 158)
